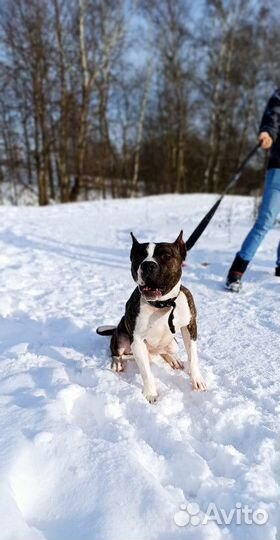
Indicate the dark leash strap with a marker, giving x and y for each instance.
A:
(207, 218)
(171, 302)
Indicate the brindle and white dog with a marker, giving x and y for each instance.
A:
(158, 308)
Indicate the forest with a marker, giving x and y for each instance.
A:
(123, 98)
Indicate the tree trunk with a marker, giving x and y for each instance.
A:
(140, 129)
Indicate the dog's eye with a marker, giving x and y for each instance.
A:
(166, 256)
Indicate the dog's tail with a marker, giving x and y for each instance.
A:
(105, 330)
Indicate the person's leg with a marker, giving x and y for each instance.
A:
(269, 209)
(235, 273)
(277, 269)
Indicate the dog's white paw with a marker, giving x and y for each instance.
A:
(151, 398)
(177, 364)
(117, 364)
(198, 383)
(173, 361)
(150, 394)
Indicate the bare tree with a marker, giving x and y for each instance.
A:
(140, 127)
(84, 111)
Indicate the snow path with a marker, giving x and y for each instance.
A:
(82, 455)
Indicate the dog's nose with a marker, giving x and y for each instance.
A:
(148, 266)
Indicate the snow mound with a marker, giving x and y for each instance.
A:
(83, 455)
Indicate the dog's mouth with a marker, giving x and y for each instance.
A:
(150, 292)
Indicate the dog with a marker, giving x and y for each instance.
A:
(159, 307)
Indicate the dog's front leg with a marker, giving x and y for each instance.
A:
(191, 348)
(141, 355)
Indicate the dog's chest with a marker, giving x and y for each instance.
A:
(152, 323)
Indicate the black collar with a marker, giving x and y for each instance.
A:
(171, 302)
(162, 303)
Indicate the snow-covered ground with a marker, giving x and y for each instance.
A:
(83, 456)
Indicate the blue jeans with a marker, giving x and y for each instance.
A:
(269, 209)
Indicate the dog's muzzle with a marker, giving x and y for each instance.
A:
(148, 268)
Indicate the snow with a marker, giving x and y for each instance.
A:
(83, 456)
(15, 193)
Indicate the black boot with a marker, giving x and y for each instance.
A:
(236, 271)
(277, 271)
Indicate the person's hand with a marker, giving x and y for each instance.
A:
(265, 140)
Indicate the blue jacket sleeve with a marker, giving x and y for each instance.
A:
(271, 116)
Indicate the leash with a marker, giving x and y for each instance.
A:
(193, 238)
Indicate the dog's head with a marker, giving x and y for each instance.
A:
(157, 268)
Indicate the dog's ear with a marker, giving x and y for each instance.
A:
(135, 245)
(135, 242)
(181, 245)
